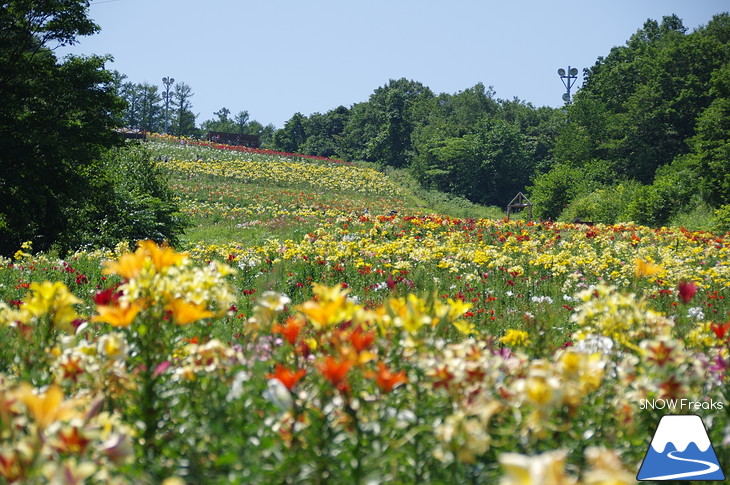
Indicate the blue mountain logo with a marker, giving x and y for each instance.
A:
(680, 450)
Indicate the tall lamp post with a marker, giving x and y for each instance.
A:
(568, 79)
(167, 81)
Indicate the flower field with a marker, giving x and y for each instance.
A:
(319, 325)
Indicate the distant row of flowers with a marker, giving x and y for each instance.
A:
(238, 148)
(287, 172)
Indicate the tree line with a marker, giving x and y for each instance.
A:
(645, 139)
(146, 109)
(469, 143)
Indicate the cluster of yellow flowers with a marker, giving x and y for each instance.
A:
(461, 247)
(285, 171)
(45, 298)
(161, 280)
(621, 317)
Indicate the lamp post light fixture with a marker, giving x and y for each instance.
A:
(167, 81)
(568, 79)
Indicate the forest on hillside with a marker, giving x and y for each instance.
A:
(645, 139)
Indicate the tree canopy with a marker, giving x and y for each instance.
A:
(56, 118)
(645, 138)
(57, 124)
(654, 111)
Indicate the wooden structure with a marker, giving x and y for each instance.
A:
(251, 141)
(518, 203)
(133, 134)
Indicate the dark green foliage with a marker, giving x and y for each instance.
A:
(649, 92)
(553, 191)
(711, 145)
(56, 118)
(292, 136)
(674, 189)
(56, 128)
(380, 130)
(131, 201)
(646, 113)
(325, 133)
(605, 205)
(488, 166)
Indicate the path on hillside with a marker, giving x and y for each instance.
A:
(711, 468)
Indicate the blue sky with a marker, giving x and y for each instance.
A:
(277, 57)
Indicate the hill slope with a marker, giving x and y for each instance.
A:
(234, 193)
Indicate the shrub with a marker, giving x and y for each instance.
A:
(130, 200)
(722, 219)
(605, 206)
(675, 190)
(552, 191)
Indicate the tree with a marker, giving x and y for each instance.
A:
(132, 94)
(324, 132)
(388, 120)
(152, 114)
(222, 123)
(488, 166)
(241, 120)
(56, 119)
(265, 133)
(292, 136)
(711, 144)
(638, 106)
(184, 118)
(645, 126)
(65, 176)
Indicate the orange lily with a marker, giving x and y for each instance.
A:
(386, 379)
(286, 377)
(361, 340)
(290, 330)
(335, 371)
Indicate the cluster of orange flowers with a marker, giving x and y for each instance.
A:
(344, 342)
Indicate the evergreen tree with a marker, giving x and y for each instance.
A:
(183, 119)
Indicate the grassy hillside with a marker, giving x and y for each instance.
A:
(233, 195)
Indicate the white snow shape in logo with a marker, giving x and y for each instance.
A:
(681, 430)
